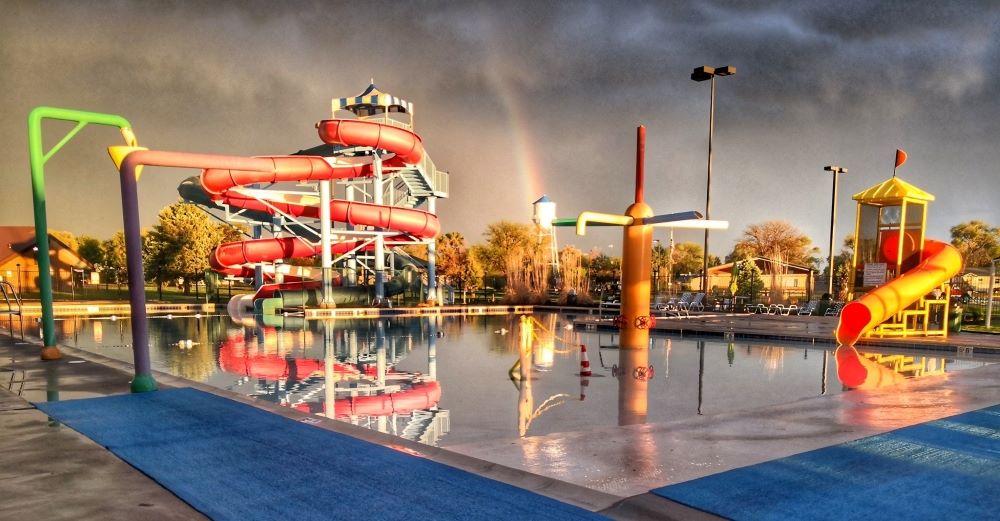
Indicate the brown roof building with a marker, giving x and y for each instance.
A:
(19, 260)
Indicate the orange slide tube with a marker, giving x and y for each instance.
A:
(940, 262)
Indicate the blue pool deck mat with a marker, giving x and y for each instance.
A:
(232, 461)
(943, 469)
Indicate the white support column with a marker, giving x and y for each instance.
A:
(351, 278)
(379, 239)
(325, 232)
(432, 293)
(276, 228)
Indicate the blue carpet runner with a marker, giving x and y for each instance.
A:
(233, 461)
(949, 468)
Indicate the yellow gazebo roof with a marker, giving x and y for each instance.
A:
(892, 190)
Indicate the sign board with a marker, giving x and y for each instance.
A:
(874, 274)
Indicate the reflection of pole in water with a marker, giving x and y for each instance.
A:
(330, 382)
(432, 347)
(380, 351)
(633, 386)
(826, 358)
(525, 400)
(701, 371)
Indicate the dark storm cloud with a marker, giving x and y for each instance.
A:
(818, 82)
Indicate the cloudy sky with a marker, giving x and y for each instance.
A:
(517, 99)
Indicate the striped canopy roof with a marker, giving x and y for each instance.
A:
(373, 96)
(890, 191)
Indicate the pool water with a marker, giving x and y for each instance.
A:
(458, 379)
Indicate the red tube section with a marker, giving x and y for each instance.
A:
(940, 262)
(226, 185)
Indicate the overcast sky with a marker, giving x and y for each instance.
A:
(517, 99)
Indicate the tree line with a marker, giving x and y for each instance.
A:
(514, 257)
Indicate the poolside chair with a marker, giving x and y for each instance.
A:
(682, 302)
(834, 310)
(809, 308)
(695, 303)
(781, 309)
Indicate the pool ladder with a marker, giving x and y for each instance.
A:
(13, 301)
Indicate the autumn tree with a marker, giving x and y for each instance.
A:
(513, 250)
(978, 242)
(457, 265)
(777, 241)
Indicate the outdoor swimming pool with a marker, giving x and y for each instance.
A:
(452, 380)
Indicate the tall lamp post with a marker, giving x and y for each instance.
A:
(837, 170)
(701, 74)
(989, 296)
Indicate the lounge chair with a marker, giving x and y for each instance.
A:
(834, 310)
(809, 308)
(695, 303)
(683, 302)
(781, 309)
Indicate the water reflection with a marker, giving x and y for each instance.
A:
(871, 370)
(457, 380)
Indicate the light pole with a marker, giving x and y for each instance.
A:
(837, 170)
(989, 296)
(701, 74)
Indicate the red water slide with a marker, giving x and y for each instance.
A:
(226, 186)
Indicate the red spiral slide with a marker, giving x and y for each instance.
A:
(227, 186)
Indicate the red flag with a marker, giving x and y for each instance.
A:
(900, 157)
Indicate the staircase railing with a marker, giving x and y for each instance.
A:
(13, 302)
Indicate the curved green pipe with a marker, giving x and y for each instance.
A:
(38, 158)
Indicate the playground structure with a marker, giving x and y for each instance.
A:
(901, 277)
(637, 241)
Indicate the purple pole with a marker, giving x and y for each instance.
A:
(143, 380)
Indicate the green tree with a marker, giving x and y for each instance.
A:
(113, 254)
(504, 240)
(749, 279)
(978, 242)
(91, 251)
(179, 245)
(689, 258)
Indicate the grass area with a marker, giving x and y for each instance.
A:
(975, 328)
(114, 293)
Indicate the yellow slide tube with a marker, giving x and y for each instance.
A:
(941, 262)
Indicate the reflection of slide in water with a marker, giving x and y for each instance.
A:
(416, 394)
(228, 186)
(940, 262)
(859, 372)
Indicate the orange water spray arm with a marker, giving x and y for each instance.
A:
(638, 222)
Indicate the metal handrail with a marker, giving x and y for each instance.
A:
(7, 289)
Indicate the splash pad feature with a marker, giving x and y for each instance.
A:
(636, 320)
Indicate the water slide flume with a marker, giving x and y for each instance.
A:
(940, 263)
(227, 186)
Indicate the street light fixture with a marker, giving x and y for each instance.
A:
(837, 170)
(704, 73)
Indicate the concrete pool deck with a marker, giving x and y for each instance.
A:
(55, 473)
